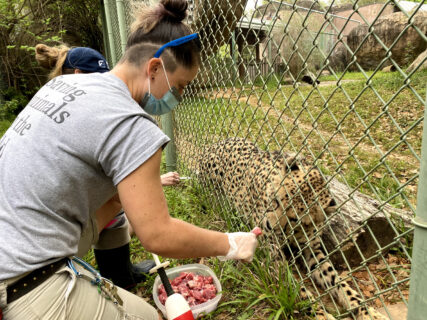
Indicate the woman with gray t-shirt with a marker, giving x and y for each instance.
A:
(112, 250)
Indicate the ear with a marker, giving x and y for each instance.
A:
(153, 67)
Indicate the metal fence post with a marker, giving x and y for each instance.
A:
(170, 150)
(122, 24)
(234, 55)
(418, 283)
(107, 49)
(110, 32)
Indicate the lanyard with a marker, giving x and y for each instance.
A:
(105, 286)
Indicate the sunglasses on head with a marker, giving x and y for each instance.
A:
(178, 42)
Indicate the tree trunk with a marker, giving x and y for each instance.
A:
(374, 225)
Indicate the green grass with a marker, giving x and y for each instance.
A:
(270, 285)
(347, 128)
(346, 76)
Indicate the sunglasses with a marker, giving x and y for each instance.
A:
(178, 42)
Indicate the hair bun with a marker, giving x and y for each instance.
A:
(41, 48)
(174, 10)
(46, 56)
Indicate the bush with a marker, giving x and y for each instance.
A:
(14, 102)
(25, 23)
(4, 125)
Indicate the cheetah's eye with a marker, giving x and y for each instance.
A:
(276, 204)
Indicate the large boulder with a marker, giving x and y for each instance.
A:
(215, 21)
(388, 29)
(339, 58)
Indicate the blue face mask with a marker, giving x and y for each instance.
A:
(167, 103)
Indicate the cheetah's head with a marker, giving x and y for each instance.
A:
(300, 196)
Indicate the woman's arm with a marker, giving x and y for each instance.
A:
(145, 205)
(108, 211)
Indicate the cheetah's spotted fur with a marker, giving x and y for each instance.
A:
(287, 196)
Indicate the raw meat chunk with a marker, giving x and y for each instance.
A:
(195, 288)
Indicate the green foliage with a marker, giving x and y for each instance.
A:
(25, 23)
(8, 109)
(4, 125)
(13, 102)
(268, 285)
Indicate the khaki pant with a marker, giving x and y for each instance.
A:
(65, 296)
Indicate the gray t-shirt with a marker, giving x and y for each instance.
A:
(61, 159)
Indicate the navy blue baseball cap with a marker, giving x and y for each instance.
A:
(86, 59)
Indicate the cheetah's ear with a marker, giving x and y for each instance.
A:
(291, 161)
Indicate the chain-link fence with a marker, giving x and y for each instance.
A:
(332, 99)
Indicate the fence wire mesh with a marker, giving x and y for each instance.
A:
(332, 91)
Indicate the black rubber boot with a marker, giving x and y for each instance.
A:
(115, 264)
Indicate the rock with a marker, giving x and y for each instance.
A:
(339, 58)
(308, 4)
(388, 29)
(287, 81)
(418, 61)
(325, 73)
(391, 68)
(354, 215)
(341, 7)
(215, 20)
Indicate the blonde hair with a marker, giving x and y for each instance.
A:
(52, 58)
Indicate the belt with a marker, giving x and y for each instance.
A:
(32, 280)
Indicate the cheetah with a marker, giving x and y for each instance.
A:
(287, 197)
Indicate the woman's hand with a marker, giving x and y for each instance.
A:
(170, 179)
(242, 245)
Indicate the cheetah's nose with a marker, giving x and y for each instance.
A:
(268, 226)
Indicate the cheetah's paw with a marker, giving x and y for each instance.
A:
(323, 315)
(371, 315)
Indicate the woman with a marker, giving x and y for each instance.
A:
(83, 148)
(112, 252)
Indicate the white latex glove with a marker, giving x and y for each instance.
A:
(170, 179)
(242, 246)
